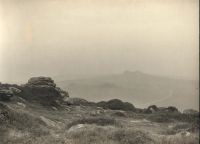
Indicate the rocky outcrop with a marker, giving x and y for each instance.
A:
(152, 109)
(7, 91)
(5, 94)
(15, 90)
(74, 101)
(78, 102)
(171, 109)
(43, 90)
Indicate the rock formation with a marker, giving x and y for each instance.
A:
(5, 94)
(76, 101)
(152, 109)
(41, 81)
(43, 90)
(7, 91)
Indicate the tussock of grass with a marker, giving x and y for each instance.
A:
(108, 135)
(130, 136)
(25, 122)
(179, 140)
(181, 126)
(91, 135)
(169, 132)
(191, 127)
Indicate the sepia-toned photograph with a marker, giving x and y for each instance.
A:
(99, 72)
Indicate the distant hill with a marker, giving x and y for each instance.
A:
(138, 88)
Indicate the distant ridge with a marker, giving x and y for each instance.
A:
(136, 87)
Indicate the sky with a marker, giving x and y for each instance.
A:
(92, 37)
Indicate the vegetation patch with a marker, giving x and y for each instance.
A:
(109, 135)
(130, 136)
(116, 104)
(172, 117)
(177, 139)
(102, 121)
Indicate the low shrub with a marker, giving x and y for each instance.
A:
(116, 104)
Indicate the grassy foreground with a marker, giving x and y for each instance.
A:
(28, 123)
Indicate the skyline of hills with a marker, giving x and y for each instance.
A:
(136, 87)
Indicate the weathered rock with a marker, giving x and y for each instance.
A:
(15, 90)
(21, 104)
(7, 91)
(43, 90)
(63, 93)
(152, 109)
(47, 121)
(5, 94)
(41, 81)
(76, 101)
(171, 109)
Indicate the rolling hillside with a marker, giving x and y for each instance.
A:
(138, 88)
(40, 112)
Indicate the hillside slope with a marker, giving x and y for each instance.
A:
(39, 112)
(138, 88)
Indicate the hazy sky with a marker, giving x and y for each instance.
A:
(83, 37)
